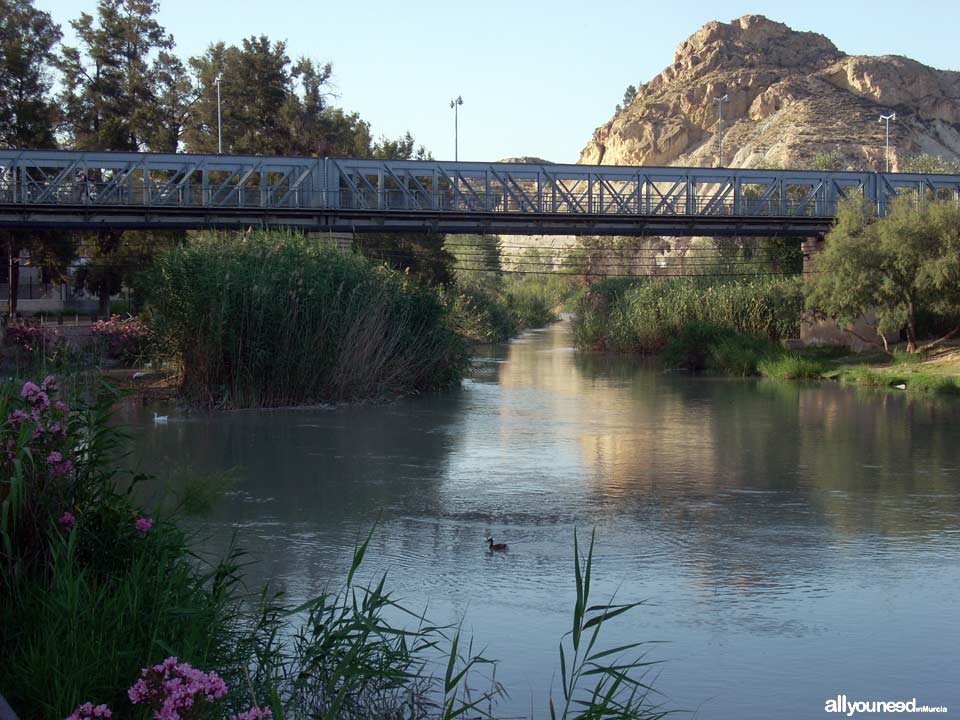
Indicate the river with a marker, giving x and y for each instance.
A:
(793, 541)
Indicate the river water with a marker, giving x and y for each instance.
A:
(793, 541)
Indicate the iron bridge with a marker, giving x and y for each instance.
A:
(126, 190)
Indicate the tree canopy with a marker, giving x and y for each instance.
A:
(895, 268)
(27, 39)
(123, 87)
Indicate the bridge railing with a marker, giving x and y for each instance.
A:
(107, 194)
(50, 180)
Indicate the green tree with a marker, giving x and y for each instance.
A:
(112, 81)
(27, 38)
(257, 99)
(629, 95)
(896, 267)
(27, 118)
(123, 89)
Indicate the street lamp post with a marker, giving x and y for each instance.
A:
(719, 101)
(455, 104)
(219, 125)
(886, 152)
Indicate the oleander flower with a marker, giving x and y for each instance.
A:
(87, 711)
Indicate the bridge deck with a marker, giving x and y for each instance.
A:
(145, 190)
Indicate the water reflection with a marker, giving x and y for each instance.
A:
(794, 539)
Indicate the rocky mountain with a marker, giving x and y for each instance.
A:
(792, 95)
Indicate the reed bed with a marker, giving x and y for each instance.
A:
(641, 315)
(271, 319)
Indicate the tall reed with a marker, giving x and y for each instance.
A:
(271, 318)
(640, 315)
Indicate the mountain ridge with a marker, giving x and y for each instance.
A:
(791, 96)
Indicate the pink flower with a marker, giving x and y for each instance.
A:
(49, 383)
(171, 687)
(54, 458)
(254, 713)
(29, 390)
(143, 524)
(87, 710)
(67, 519)
(62, 469)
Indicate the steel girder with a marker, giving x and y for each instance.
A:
(80, 189)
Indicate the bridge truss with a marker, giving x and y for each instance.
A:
(91, 190)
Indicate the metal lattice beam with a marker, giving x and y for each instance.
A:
(42, 188)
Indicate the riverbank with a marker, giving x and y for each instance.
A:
(937, 372)
(105, 607)
(741, 509)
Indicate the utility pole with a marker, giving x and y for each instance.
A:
(219, 125)
(887, 119)
(455, 104)
(719, 101)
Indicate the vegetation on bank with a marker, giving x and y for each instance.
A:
(489, 305)
(642, 314)
(901, 272)
(271, 318)
(701, 347)
(104, 611)
(898, 269)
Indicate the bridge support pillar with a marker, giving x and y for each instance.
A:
(814, 332)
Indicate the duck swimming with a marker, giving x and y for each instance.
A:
(497, 547)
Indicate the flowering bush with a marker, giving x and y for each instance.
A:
(172, 687)
(37, 426)
(29, 335)
(254, 713)
(126, 340)
(174, 690)
(88, 711)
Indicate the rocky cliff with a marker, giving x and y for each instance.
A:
(792, 95)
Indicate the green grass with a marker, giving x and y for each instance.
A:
(790, 367)
(916, 382)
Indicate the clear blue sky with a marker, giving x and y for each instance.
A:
(536, 77)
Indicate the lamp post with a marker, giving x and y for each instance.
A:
(886, 153)
(719, 101)
(219, 125)
(455, 104)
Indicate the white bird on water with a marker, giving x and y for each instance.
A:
(160, 419)
(901, 386)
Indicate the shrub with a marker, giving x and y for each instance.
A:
(30, 338)
(693, 346)
(481, 315)
(126, 340)
(270, 318)
(702, 346)
(740, 355)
